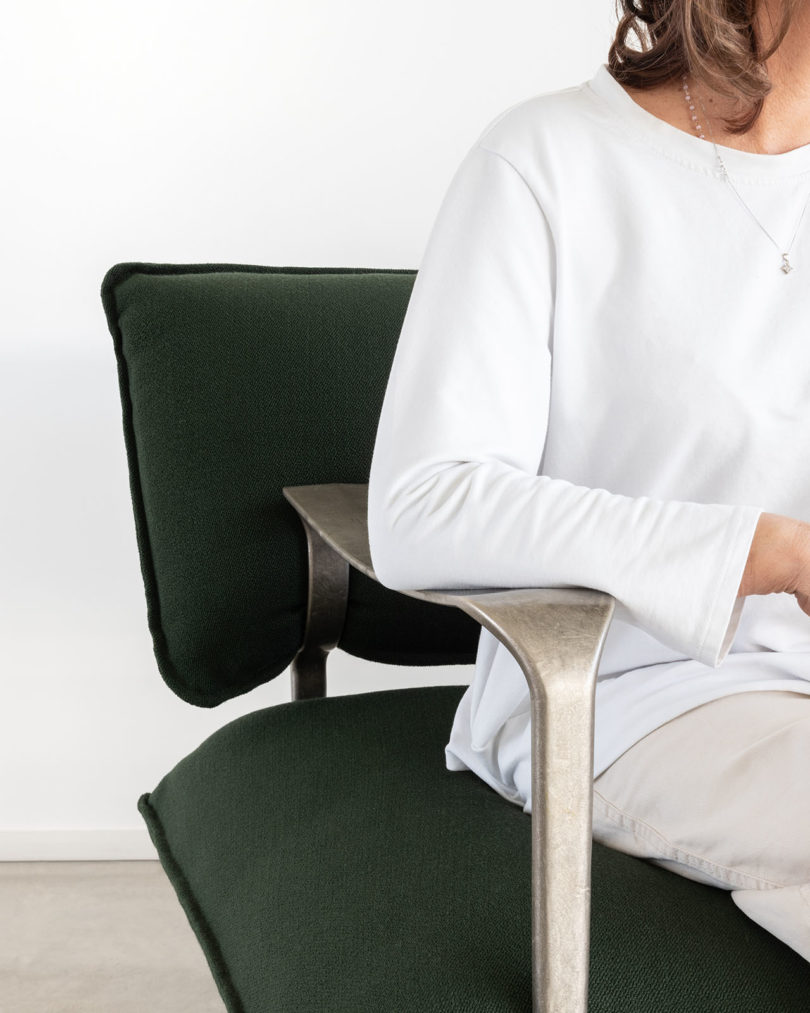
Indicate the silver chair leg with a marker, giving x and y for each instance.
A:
(326, 612)
(558, 648)
(562, 806)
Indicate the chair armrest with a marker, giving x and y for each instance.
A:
(557, 636)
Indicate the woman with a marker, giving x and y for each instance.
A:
(603, 380)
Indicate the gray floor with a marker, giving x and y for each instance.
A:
(98, 937)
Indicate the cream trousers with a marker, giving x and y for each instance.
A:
(721, 794)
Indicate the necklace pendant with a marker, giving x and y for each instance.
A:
(786, 265)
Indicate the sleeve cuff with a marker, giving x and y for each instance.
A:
(726, 611)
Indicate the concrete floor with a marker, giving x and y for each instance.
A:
(98, 937)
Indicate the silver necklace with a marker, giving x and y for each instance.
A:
(785, 266)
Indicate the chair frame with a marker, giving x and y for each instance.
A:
(557, 636)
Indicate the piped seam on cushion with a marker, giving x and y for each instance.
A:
(199, 923)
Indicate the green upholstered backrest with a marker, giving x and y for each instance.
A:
(236, 381)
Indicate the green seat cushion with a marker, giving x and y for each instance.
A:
(328, 861)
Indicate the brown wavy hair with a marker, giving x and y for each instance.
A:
(716, 42)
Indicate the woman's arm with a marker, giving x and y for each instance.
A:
(455, 498)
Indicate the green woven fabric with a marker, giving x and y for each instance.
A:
(235, 381)
(329, 863)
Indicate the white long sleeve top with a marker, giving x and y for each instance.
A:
(602, 379)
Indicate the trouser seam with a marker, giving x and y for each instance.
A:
(640, 828)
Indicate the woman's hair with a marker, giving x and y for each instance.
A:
(715, 41)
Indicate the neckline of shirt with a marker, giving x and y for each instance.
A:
(689, 148)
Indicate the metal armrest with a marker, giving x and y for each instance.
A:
(557, 636)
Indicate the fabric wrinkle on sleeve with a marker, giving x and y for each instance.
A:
(455, 498)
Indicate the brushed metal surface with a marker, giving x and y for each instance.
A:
(557, 636)
(327, 597)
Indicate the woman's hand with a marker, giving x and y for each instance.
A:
(779, 559)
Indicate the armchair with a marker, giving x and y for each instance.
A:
(323, 854)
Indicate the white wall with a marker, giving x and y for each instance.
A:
(319, 133)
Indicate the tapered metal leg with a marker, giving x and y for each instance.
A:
(557, 637)
(326, 612)
(562, 811)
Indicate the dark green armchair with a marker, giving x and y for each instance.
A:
(324, 856)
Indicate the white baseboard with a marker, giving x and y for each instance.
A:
(75, 845)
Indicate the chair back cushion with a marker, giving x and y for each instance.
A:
(235, 381)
